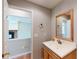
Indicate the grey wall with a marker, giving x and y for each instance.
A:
(40, 15)
(19, 46)
(63, 7)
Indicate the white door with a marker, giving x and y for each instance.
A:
(5, 52)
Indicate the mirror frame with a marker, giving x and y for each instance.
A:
(70, 12)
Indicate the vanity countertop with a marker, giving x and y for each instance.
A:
(60, 49)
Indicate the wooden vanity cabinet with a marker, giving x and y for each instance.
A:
(48, 54)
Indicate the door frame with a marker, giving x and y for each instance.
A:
(32, 24)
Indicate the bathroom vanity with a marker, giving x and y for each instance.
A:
(63, 45)
(53, 50)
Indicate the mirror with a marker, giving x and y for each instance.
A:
(64, 26)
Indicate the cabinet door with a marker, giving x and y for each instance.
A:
(53, 56)
(50, 57)
(46, 56)
(49, 54)
(72, 55)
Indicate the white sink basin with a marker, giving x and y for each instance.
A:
(60, 49)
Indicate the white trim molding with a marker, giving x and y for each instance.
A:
(12, 57)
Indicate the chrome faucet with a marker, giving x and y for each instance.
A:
(59, 41)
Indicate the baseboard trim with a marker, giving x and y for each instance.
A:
(12, 57)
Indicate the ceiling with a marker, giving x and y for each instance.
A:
(46, 3)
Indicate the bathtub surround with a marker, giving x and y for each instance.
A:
(19, 46)
(20, 27)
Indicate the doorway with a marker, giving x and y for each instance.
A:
(19, 34)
